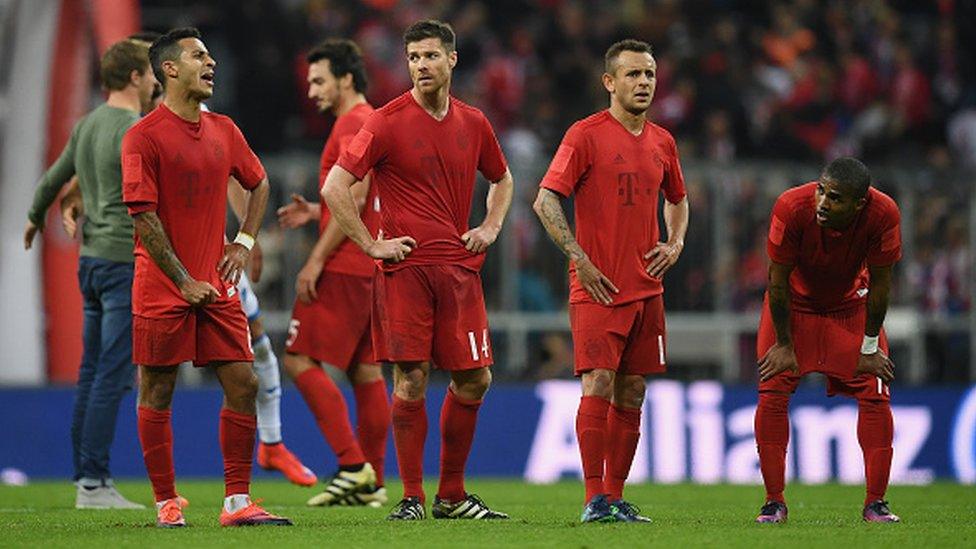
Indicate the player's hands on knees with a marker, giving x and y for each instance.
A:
(255, 263)
(306, 281)
(778, 359)
(479, 238)
(232, 264)
(298, 212)
(198, 293)
(30, 230)
(393, 250)
(600, 288)
(662, 257)
(876, 364)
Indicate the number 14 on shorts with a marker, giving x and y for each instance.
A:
(473, 340)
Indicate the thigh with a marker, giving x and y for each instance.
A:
(403, 316)
(645, 353)
(599, 335)
(164, 341)
(461, 339)
(222, 334)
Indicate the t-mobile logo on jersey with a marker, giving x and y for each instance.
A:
(628, 187)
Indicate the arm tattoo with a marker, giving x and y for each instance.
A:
(154, 239)
(554, 220)
(779, 307)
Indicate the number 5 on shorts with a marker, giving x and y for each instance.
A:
(472, 339)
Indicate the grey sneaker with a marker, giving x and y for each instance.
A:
(103, 497)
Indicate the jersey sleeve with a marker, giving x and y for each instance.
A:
(245, 165)
(783, 243)
(53, 180)
(343, 132)
(367, 148)
(569, 165)
(491, 159)
(140, 173)
(884, 247)
(673, 185)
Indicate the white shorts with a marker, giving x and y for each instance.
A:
(249, 301)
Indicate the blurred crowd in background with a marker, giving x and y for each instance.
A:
(758, 95)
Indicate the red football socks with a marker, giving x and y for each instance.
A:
(373, 423)
(458, 419)
(237, 445)
(591, 432)
(327, 404)
(409, 435)
(623, 433)
(875, 430)
(156, 438)
(772, 437)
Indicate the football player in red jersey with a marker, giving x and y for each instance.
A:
(617, 163)
(832, 244)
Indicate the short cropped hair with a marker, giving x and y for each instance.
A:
(344, 57)
(119, 61)
(850, 172)
(630, 44)
(167, 48)
(431, 28)
(145, 36)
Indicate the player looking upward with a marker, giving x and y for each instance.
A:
(832, 244)
(176, 162)
(423, 149)
(617, 163)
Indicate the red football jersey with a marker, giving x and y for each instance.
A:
(617, 177)
(424, 172)
(830, 273)
(179, 169)
(348, 258)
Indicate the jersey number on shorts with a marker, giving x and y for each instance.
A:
(292, 331)
(473, 340)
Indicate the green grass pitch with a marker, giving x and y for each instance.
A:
(941, 515)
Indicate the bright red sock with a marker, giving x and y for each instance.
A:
(327, 404)
(623, 432)
(875, 431)
(772, 437)
(237, 445)
(156, 438)
(591, 432)
(373, 423)
(409, 435)
(458, 419)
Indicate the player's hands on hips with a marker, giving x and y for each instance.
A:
(595, 282)
(876, 364)
(306, 281)
(255, 264)
(778, 359)
(662, 257)
(297, 213)
(30, 230)
(393, 250)
(198, 293)
(479, 238)
(232, 264)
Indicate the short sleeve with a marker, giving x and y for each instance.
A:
(140, 173)
(884, 247)
(673, 185)
(569, 165)
(491, 160)
(367, 148)
(783, 243)
(343, 132)
(245, 165)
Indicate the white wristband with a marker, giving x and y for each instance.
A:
(870, 345)
(245, 240)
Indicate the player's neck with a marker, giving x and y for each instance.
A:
(186, 108)
(348, 103)
(127, 99)
(634, 123)
(436, 104)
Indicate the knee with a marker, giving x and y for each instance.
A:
(598, 383)
(156, 395)
(363, 374)
(630, 391)
(412, 384)
(473, 386)
(295, 365)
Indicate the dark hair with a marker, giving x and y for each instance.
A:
(431, 28)
(630, 44)
(167, 48)
(119, 61)
(344, 57)
(146, 36)
(850, 172)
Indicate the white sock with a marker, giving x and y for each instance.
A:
(269, 391)
(236, 502)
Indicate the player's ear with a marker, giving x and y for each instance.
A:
(452, 58)
(860, 203)
(608, 82)
(170, 70)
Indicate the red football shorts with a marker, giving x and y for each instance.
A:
(335, 328)
(214, 333)
(829, 344)
(431, 312)
(627, 338)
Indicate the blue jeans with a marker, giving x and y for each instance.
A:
(106, 364)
